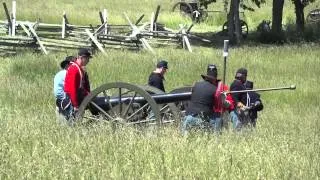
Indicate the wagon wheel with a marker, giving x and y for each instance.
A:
(199, 15)
(182, 105)
(119, 103)
(244, 28)
(168, 112)
(313, 16)
(183, 8)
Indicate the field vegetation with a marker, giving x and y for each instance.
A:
(285, 144)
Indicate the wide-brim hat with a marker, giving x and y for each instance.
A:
(84, 53)
(212, 73)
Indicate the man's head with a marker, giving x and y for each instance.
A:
(66, 62)
(212, 73)
(162, 67)
(83, 56)
(241, 74)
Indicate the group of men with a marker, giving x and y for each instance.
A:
(210, 98)
(71, 84)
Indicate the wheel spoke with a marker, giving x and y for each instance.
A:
(130, 103)
(100, 109)
(120, 103)
(137, 111)
(164, 107)
(110, 105)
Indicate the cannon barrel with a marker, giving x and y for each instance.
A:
(292, 87)
(105, 102)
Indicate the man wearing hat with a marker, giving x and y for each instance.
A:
(253, 103)
(240, 99)
(77, 84)
(63, 103)
(200, 109)
(156, 78)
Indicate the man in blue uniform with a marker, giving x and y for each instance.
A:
(156, 78)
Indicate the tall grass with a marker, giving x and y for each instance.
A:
(285, 144)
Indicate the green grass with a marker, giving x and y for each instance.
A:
(285, 144)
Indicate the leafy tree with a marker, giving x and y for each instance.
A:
(299, 10)
(277, 13)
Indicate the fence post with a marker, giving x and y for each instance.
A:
(13, 28)
(105, 15)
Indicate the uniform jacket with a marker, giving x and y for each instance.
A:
(76, 84)
(202, 99)
(219, 106)
(156, 80)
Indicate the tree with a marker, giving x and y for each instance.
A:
(234, 29)
(277, 12)
(299, 8)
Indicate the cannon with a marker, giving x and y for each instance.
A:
(128, 104)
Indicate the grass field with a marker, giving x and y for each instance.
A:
(285, 144)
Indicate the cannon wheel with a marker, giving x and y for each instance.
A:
(182, 105)
(244, 28)
(184, 8)
(168, 112)
(126, 113)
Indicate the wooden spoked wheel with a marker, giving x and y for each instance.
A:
(120, 103)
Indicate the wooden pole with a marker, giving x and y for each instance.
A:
(37, 38)
(105, 19)
(95, 41)
(63, 32)
(8, 17)
(13, 29)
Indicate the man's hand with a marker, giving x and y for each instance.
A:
(240, 105)
(75, 110)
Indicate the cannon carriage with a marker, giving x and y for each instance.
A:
(129, 104)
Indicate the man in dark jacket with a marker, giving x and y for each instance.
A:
(254, 104)
(201, 103)
(240, 99)
(156, 78)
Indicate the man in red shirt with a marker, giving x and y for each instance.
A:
(76, 82)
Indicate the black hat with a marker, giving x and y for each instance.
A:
(212, 72)
(64, 64)
(241, 72)
(248, 84)
(162, 64)
(84, 52)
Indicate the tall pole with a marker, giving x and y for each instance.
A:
(225, 55)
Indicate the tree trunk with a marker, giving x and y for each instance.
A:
(299, 16)
(238, 29)
(277, 11)
(234, 29)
